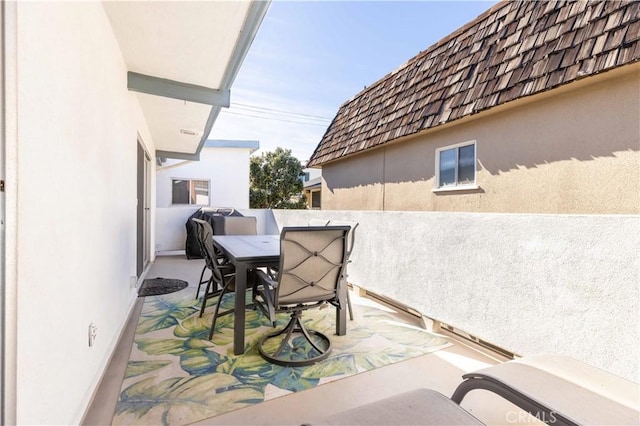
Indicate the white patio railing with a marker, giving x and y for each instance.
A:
(530, 283)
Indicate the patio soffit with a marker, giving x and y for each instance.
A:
(182, 58)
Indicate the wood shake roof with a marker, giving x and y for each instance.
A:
(513, 50)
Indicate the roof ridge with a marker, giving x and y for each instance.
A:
(443, 40)
(513, 50)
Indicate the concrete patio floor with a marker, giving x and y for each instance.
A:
(441, 371)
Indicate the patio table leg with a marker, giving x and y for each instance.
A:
(341, 313)
(239, 312)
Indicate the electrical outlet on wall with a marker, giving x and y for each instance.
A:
(93, 331)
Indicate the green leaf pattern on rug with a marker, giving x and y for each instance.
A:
(161, 346)
(165, 311)
(137, 368)
(198, 362)
(173, 400)
(337, 365)
(207, 379)
(249, 364)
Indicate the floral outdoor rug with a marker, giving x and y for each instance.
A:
(176, 376)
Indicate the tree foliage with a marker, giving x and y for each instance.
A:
(275, 181)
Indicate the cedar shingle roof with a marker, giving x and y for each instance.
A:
(513, 50)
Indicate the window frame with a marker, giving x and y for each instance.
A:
(208, 181)
(319, 194)
(456, 186)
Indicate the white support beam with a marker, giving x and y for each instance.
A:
(177, 90)
(178, 155)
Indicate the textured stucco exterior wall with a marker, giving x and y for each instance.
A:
(364, 190)
(226, 169)
(172, 234)
(75, 252)
(564, 284)
(572, 150)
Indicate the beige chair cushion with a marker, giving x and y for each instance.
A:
(239, 225)
(417, 407)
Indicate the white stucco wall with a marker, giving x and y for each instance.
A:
(265, 221)
(227, 170)
(76, 226)
(313, 172)
(171, 230)
(564, 284)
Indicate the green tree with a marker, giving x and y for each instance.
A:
(275, 181)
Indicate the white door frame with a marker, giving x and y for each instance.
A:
(145, 205)
(8, 211)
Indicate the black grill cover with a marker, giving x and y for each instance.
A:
(214, 217)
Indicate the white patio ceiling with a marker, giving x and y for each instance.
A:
(182, 58)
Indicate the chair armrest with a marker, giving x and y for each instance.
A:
(227, 268)
(552, 387)
(266, 279)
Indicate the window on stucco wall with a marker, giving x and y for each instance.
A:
(456, 166)
(190, 192)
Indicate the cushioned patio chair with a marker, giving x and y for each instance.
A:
(193, 247)
(222, 273)
(207, 262)
(222, 276)
(351, 239)
(309, 276)
(554, 389)
(197, 230)
(559, 390)
(207, 266)
(239, 225)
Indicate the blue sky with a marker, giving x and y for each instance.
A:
(308, 58)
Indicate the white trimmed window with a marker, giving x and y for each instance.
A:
(190, 191)
(456, 166)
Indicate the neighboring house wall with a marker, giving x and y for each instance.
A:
(571, 150)
(314, 197)
(312, 192)
(565, 284)
(72, 228)
(311, 173)
(227, 170)
(312, 187)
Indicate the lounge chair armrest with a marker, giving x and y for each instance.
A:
(558, 389)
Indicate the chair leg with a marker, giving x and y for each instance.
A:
(208, 294)
(349, 305)
(268, 307)
(207, 289)
(215, 313)
(200, 282)
(302, 329)
(288, 331)
(295, 326)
